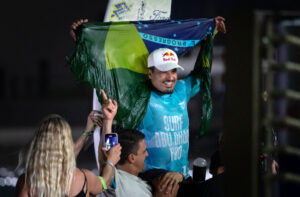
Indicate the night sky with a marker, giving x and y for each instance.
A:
(34, 77)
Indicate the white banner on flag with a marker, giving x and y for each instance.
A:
(138, 10)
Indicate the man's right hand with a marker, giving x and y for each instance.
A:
(159, 192)
(109, 107)
(113, 155)
(74, 27)
(168, 182)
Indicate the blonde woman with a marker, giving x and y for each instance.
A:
(51, 169)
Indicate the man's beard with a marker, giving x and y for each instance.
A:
(161, 92)
(167, 91)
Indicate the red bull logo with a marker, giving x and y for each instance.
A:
(168, 56)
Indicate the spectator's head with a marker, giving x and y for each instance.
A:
(162, 69)
(133, 149)
(51, 161)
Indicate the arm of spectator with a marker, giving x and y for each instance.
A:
(94, 183)
(113, 156)
(92, 120)
(22, 189)
(168, 182)
(74, 27)
(109, 108)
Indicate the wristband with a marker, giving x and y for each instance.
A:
(88, 133)
(103, 182)
(108, 162)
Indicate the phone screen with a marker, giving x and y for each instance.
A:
(110, 140)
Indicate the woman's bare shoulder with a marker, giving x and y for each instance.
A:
(22, 189)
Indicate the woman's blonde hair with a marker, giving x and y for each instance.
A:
(51, 161)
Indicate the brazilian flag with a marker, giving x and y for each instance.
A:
(113, 56)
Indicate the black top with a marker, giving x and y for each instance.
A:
(82, 193)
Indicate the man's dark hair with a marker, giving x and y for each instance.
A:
(151, 68)
(129, 140)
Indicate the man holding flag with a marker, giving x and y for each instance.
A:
(157, 107)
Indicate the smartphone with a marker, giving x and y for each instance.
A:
(110, 140)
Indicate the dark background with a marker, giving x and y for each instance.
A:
(35, 79)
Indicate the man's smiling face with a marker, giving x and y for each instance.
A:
(164, 81)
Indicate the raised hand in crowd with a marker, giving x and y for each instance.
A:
(74, 27)
(109, 107)
(113, 155)
(220, 24)
(93, 120)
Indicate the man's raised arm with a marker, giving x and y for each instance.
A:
(205, 55)
(109, 108)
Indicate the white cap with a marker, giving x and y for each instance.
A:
(163, 59)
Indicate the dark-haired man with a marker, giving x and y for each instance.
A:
(166, 122)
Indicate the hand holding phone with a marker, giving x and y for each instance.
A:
(110, 140)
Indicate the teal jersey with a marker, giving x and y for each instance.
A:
(166, 127)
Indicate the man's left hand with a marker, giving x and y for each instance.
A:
(220, 25)
(169, 182)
